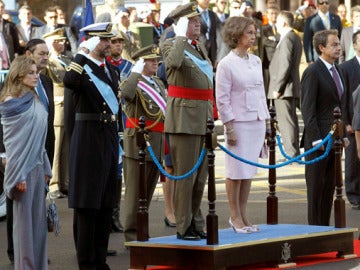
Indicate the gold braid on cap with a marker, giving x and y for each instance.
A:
(155, 50)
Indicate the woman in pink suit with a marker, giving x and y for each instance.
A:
(241, 102)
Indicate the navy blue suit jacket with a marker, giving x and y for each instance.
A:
(351, 71)
(314, 24)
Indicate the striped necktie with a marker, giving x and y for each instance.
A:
(337, 81)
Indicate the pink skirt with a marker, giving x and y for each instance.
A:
(250, 138)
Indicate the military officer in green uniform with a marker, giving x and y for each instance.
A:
(55, 69)
(189, 105)
(144, 95)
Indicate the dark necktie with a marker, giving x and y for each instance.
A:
(105, 70)
(42, 96)
(336, 80)
(195, 45)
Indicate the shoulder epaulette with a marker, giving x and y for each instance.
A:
(75, 66)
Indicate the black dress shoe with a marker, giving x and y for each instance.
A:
(11, 257)
(64, 191)
(190, 236)
(116, 227)
(201, 234)
(169, 223)
(111, 252)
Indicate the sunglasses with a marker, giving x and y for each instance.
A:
(323, 3)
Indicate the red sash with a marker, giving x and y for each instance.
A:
(159, 127)
(190, 93)
(193, 93)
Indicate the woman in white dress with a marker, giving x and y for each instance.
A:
(241, 102)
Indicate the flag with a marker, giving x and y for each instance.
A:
(88, 18)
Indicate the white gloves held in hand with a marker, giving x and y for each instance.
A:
(89, 44)
(139, 66)
(180, 28)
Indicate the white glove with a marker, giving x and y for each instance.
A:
(238, 12)
(180, 28)
(90, 44)
(242, 7)
(139, 66)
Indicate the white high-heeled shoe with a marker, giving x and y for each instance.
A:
(253, 228)
(239, 230)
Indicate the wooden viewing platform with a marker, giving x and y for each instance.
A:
(278, 243)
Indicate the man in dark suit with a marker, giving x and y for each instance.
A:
(322, 88)
(270, 40)
(322, 20)
(220, 10)
(51, 24)
(94, 84)
(9, 41)
(346, 40)
(37, 49)
(25, 27)
(209, 23)
(351, 69)
(356, 120)
(284, 85)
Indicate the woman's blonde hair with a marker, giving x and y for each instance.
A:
(234, 28)
(13, 85)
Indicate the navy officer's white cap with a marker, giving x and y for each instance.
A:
(102, 29)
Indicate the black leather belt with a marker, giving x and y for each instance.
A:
(102, 117)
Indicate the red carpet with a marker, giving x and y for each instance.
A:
(300, 261)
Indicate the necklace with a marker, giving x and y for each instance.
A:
(246, 56)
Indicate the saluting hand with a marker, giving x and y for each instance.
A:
(139, 66)
(88, 45)
(180, 28)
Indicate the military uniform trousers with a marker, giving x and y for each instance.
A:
(131, 202)
(185, 151)
(60, 170)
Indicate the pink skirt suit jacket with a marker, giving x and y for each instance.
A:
(240, 98)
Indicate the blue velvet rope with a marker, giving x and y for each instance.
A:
(298, 158)
(328, 147)
(178, 177)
